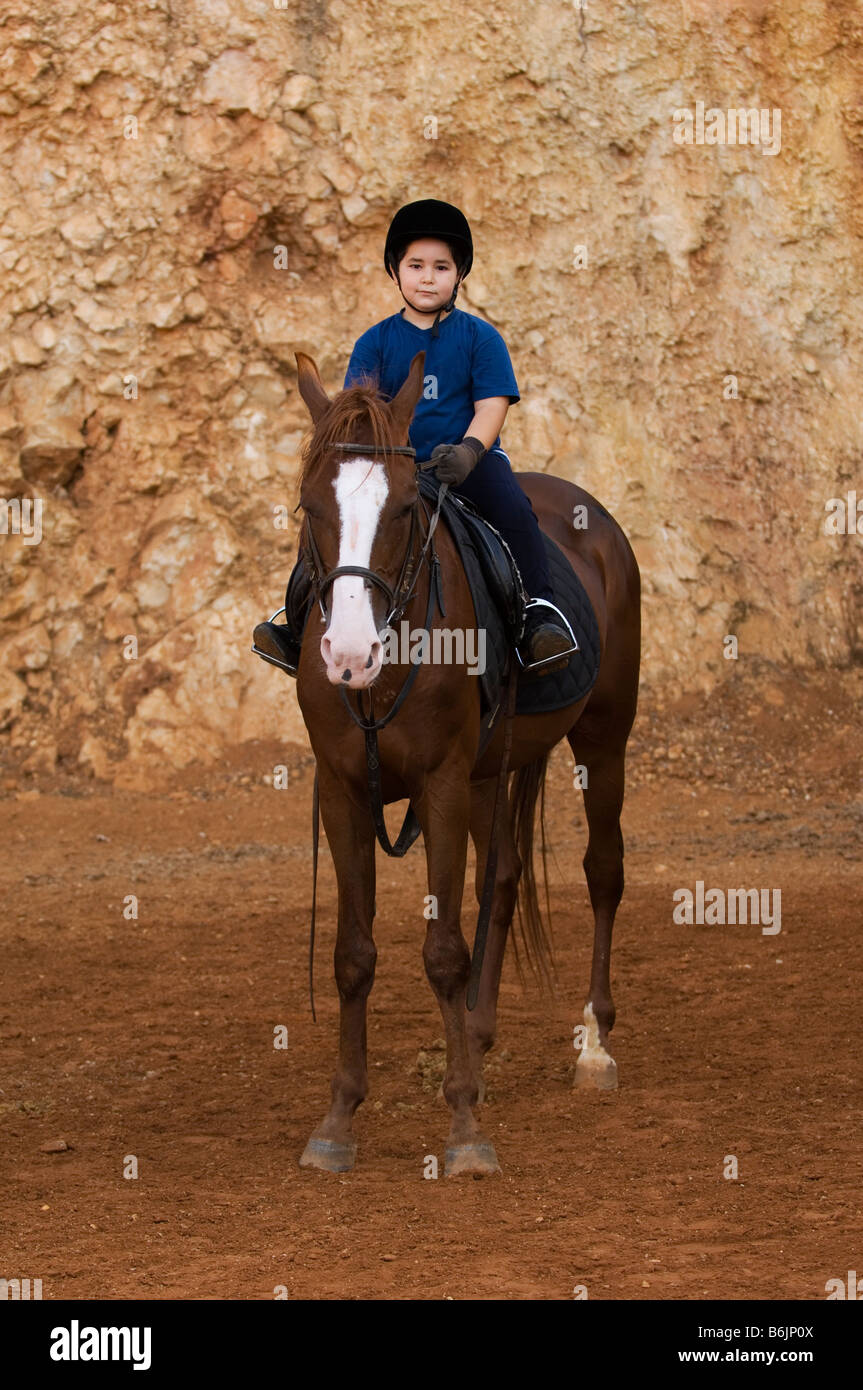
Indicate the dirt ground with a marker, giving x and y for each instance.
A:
(154, 1038)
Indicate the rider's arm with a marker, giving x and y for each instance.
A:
(487, 423)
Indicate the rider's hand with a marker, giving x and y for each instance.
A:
(453, 462)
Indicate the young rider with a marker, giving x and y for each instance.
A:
(469, 386)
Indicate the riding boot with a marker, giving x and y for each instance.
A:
(547, 635)
(280, 643)
(275, 643)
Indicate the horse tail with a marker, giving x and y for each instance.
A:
(528, 786)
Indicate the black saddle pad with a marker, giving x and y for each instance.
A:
(539, 693)
(495, 600)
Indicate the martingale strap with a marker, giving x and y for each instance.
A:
(316, 824)
(369, 725)
(410, 827)
(491, 858)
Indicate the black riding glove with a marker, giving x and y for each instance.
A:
(453, 462)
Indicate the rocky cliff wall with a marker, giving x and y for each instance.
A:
(684, 320)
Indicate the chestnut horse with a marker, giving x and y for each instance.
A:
(364, 519)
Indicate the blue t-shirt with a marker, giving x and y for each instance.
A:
(467, 362)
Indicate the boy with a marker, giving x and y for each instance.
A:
(469, 386)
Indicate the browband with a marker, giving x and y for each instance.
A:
(375, 448)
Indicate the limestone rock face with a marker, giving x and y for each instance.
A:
(50, 451)
(188, 202)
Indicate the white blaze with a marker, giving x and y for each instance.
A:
(361, 491)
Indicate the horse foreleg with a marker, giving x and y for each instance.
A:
(351, 838)
(603, 867)
(444, 813)
(482, 1020)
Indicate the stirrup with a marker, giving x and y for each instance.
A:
(274, 661)
(558, 657)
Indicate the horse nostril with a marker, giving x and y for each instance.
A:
(346, 674)
(370, 662)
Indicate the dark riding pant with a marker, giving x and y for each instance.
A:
(494, 490)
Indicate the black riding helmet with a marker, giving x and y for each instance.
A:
(430, 218)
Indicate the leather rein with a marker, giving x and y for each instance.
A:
(398, 598)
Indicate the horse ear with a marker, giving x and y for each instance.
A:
(403, 405)
(311, 390)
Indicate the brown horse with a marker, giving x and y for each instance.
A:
(363, 519)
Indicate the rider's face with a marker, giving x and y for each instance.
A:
(427, 273)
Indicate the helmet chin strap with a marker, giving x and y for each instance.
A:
(445, 309)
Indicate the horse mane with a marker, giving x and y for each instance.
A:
(354, 413)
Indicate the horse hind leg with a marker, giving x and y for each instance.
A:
(603, 866)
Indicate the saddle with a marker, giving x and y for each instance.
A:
(498, 598)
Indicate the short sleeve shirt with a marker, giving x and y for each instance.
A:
(467, 362)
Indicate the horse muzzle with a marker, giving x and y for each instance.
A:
(355, 665)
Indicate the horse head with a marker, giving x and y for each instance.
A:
(360, 511)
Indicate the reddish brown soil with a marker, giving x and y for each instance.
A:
(155, 1038)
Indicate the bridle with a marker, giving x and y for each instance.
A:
(398, 599)
(399, 596)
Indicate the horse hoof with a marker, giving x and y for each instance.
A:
(331, 1155)
(596, 1070)
(478, 1157)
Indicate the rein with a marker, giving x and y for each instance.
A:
(369, 725)
(398, 598)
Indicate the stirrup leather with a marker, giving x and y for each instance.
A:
(533, 604)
